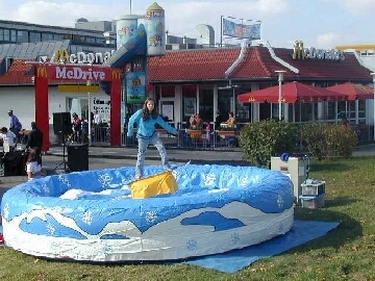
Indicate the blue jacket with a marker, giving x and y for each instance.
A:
(146, 128)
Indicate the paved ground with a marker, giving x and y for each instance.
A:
(112, 157)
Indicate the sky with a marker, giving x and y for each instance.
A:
(321, 24)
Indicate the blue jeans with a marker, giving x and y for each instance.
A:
(143, 143)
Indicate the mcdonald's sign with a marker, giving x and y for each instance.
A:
(116, 74)
(61, 56)
(41, 71)
(252, 99)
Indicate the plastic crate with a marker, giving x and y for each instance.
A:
(313, 188)
(313, 201)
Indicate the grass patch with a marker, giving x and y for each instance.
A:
(345, 253)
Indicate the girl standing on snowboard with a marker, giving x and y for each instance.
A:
(146, 119)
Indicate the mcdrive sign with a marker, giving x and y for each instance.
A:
(80, 72)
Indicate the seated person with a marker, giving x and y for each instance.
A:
(230, 123)
(8, 136)
(34, 167)
(198, 122)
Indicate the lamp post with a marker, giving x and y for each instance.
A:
(280, 74)
(89, 112)
(373, 80)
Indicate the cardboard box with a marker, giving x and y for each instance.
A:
(312, 201)
(313, 188)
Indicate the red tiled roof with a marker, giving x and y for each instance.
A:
(211, 64)
(17, 73)
(348, 69)
(194, 66)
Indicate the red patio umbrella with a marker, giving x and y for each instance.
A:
(291, 92)
(353, 91)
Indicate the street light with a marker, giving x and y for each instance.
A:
(373, 80)
(280, 74)
(89, 112)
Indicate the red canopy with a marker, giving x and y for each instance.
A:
(291, 93)
(353, 91)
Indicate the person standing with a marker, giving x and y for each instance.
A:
(97, 118)
(77, 128)
(9, 137)
(35, 137)
(146, 119)
(14, 123)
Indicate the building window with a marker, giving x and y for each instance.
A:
(22, 36)
(47, 36)
(35, 37)
(13, 35)
(1, 34)
(57, 36)
(6, 35)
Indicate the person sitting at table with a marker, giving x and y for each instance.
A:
(8, 136)
(34, 167)
(230, 123)
(198, 122)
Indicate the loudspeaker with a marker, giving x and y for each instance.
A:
(62, 123)
(78, 157)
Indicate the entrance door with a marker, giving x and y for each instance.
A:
(167, 109)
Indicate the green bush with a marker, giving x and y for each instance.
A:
(329, 141)
(261, 140)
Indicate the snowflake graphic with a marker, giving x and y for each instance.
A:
(105, 180)
(151, 216)
(107, 249)
(244, 181)
(46, 189)
(192, 245)
(209, 179)
(87, 217)
(50, 229)
(6, 211)
(235, 238)
(280, 201)
(64, 180)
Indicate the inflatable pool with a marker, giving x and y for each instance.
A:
(90, 216)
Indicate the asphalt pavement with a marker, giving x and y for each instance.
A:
(107, 157)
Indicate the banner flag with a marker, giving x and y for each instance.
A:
(248, 31)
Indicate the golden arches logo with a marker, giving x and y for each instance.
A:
(251, 99)
(116, 74)
(61, 56)
(41, 71)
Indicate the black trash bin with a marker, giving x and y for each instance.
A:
(78, 157)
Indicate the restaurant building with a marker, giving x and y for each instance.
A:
(207, 81)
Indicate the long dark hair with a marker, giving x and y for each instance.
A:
(146, 113)
(34, 155)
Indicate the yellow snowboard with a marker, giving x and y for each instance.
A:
(163, 183)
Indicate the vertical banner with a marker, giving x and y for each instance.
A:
(155, 29)
(42, 104)
(135, 87)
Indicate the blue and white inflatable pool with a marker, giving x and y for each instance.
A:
(90, 216)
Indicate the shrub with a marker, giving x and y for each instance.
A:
(329, 141)
(261, 140)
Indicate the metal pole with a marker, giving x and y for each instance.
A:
(280, 74)
(221, 31)
(89, 113)
(130, 6)
(373, 112)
